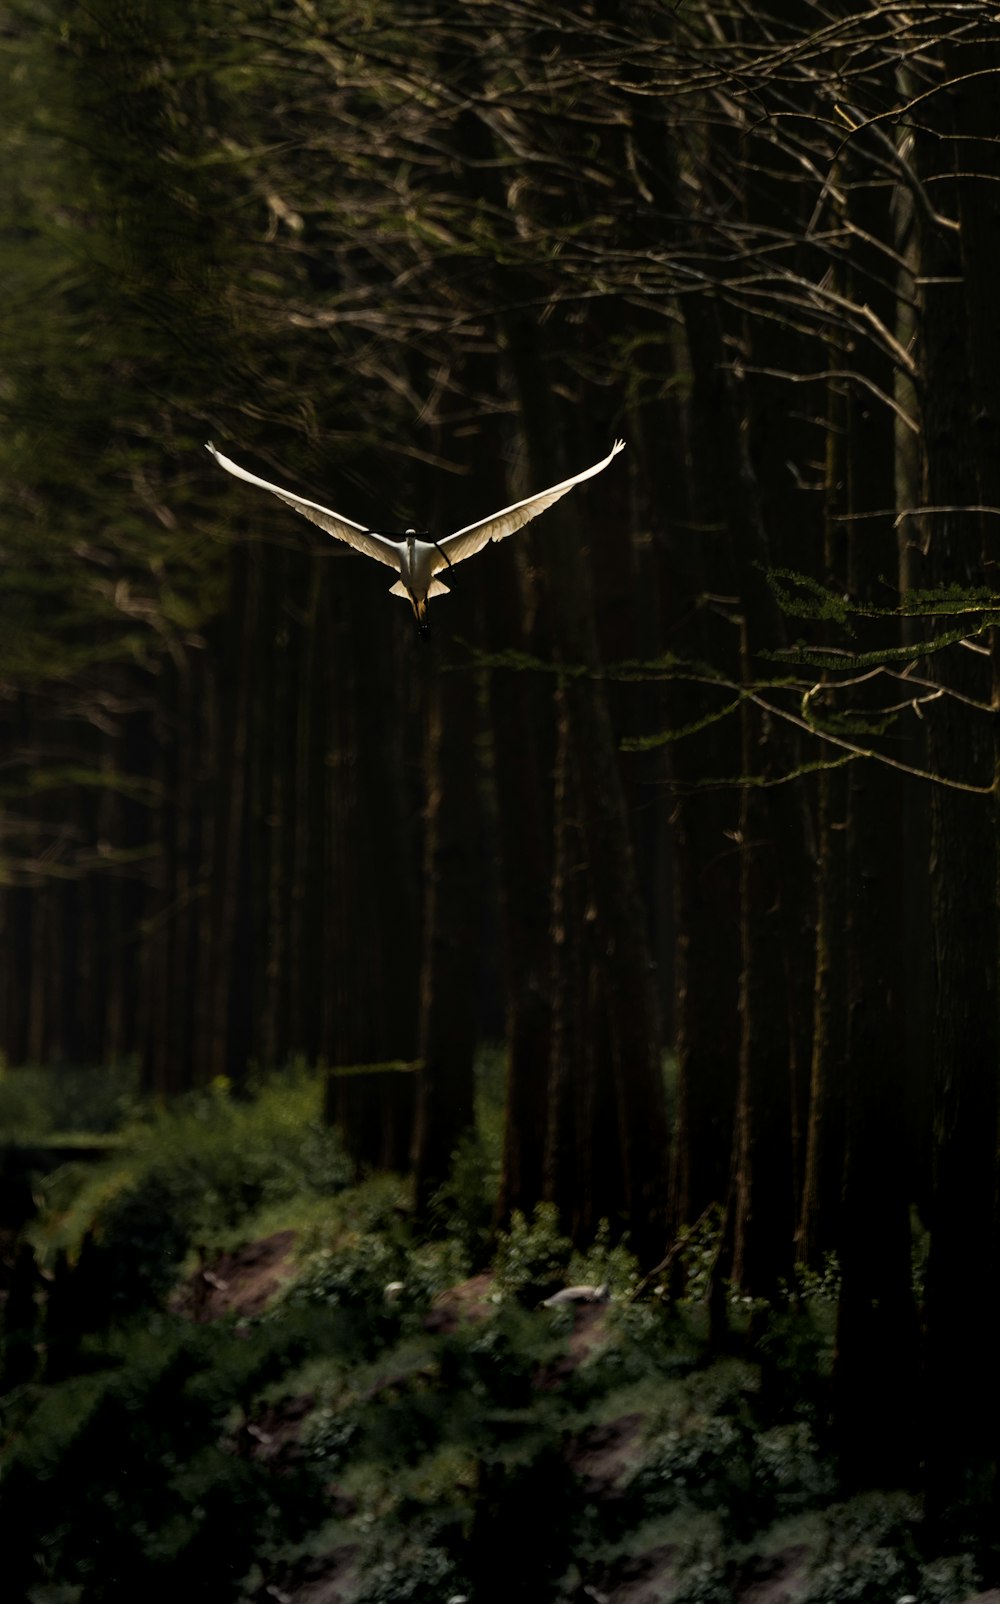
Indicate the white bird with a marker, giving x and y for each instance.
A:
(418, 560)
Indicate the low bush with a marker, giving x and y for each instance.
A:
(192, 1175)
(532, 1257)
(37, 1102)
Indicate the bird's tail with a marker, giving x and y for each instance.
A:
(436, 589)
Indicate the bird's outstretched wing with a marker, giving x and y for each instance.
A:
(373, 545)
(466, 542)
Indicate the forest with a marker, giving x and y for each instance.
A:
(683, 819)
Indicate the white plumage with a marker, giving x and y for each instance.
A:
(416, 560)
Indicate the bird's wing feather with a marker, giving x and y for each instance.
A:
(466, 542)
(365, 540)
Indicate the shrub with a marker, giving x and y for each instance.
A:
(193, 1174)
(463, 1208)
(36, 1102)
(125, 1477)
(532, 1260)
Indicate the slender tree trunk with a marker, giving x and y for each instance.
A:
(569, 1060)
(962, 1311)
(521, 727)
(763, 1223)
(613, 886)
(876, 1367)
(154, 1011)
(370, 983)
(307, 930)
(583, 1167)
(450, 969)
(228, 976)
(820, 1212)
(275, 829)
(705, 870)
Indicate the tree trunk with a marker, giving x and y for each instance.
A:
(450, 968)
(876, 1338)
(962, 1297)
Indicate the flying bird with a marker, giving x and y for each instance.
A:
(418, 557)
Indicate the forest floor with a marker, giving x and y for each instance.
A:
(252, 1379)
(603, 1458)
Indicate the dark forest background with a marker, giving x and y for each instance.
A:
(700, 769)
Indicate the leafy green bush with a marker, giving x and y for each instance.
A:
(410, 1572)
(364, 1256)
(119, 1478)
(329, 1437)
(463, 1208)
(716, 1448)
(790, 1471)
(869, 1552)
(193, 1174)
(606, 1263)
(140, 1237)
(224, 1155)
(954, 1576)
(702, 1241)
(794, 1346)
(493, 1361)
(352, 1278)
(379, 1205)
(36, 1102)
(532, 1259)
(704, 1460)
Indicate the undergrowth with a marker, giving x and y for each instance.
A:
(365, 1435)
(193, 1176)
(39, 1102)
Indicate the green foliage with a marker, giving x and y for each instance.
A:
(801, 596)
(646, 743)
(792, 1469)
(532, 1259)
(819, 1286)
(353, 1278)
(138, 1466)
(40, 1101)
(605, 1263)
(868, 1552)
(194, 1175)
(432, 1441)
(714, 1445)
(463, 1208)
(700, 1250)
(410, 1572)
(497, 1361)
(794, 1345)
(141, 1238)
(950, 1577)
(702, 1460)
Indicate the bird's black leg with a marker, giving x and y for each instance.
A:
(420, 614)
